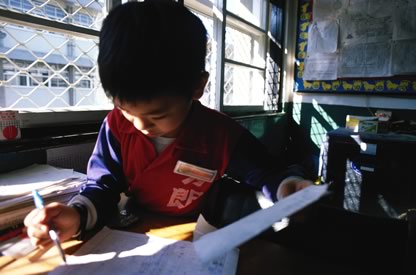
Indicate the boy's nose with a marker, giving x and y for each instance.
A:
(142, 124)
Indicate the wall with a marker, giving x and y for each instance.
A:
(318, 113)
(319, 118)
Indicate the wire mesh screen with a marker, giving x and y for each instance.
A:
(49, 68)
(72, 157)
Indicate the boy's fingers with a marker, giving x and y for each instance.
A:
(303, 184)
(53, 208)
(29, 219)
(42, 215)
(39, 231)
(42, 243)
(286, 190)
(38, 237)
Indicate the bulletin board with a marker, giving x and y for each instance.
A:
(394, 71)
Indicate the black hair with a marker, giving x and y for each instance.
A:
(151, 48)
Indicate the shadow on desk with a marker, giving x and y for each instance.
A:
(328, 241)
(350, 241)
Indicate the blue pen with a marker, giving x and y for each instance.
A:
(52, 233)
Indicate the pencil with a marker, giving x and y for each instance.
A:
(52, 233)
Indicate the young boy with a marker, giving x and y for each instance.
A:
(159, 143)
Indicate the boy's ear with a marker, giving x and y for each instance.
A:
(199, 89)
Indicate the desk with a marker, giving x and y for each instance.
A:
(371, 173)
(257, 256)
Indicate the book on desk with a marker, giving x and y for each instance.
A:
(16, 201)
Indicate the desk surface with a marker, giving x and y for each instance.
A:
(257, 256)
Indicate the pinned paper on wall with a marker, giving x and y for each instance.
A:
(361, 46)
(9, 125)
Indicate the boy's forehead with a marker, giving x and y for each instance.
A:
(149, 106)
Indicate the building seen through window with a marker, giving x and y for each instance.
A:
(47, 68)
(48, 53)
(244, 75)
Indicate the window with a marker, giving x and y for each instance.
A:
(82, 19)
(244, 72)
(48, 52)
(48, 57)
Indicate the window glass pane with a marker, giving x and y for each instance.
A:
(208, 98)
(15, 4)
(245, 50)
(253, 11)
(27, 5)
(272, 85)
(245, 47)
(44, 70)
(62, 11)
(243, 86)
(276, 23)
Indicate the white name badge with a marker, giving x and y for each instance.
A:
(193, 171)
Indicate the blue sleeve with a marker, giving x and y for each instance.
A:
(105, 175)
(252, 164)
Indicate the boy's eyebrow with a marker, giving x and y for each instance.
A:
(155, 112)
(152, 112)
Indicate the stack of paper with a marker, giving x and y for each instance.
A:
(118, 252)
(53, 184)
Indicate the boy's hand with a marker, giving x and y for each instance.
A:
(64, 219)
(291, 185)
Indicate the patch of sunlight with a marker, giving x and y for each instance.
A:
(297, 110)
(324, 115)
(388, 209)
(318, 132)
(151, 248)
(91, 258)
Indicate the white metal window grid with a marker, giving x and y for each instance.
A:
(216, 99)
(209, 96)
(244, 81)
(76, 70)
(42, 76)
(54, 9)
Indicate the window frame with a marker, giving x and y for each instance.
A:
(220, 15)
(58, 116)
(218, 12)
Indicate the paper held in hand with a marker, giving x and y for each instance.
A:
(218, 243)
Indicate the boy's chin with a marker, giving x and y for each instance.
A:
(151, 134)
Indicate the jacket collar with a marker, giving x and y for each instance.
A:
(193, 137)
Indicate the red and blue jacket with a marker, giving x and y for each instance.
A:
(175, 182)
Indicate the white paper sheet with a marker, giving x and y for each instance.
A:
(321, 67)
(405, 20)
(36, 176)
(365, 60)
(404, 56)
(53, 184)
(359, 30)
(328, 9)
(118, 252)
(323, 37)
(370, 8)
(218, 243)
(376, 38)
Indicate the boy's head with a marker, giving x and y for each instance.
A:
(150, 49)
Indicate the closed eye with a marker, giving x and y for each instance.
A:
(160, 117)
